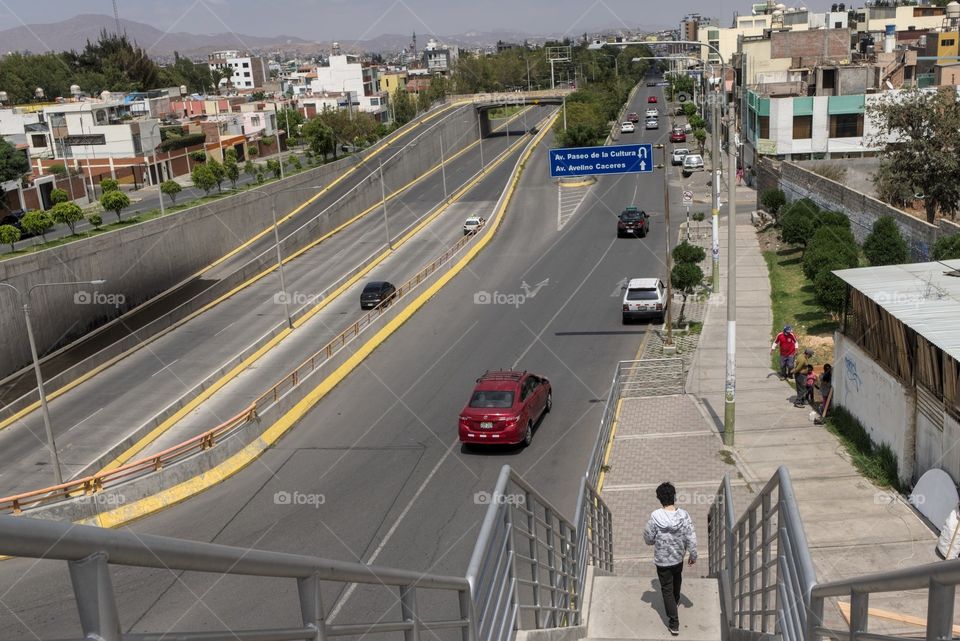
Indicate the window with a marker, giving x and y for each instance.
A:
(802, 127)
(246, 74)
(846, 125)
(948, 42)
(255, 121)
(38, 140)
(642, 293)
(764, 126)
(492, 398)
(246, 65)
(838, 25)
(829, 78)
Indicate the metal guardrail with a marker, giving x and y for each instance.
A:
(764, 563)
(147, 465)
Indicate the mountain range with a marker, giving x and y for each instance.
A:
(73, 34)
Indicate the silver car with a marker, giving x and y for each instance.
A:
(652, 123)
(692, 162)
(678, 155)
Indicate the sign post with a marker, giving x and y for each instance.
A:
(593, 161)
(687, 201)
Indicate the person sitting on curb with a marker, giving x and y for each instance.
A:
(787, 342)
(800, 375)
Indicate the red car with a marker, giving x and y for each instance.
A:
(633, 117)
(504, 408)
(652, 99)
(678, 136)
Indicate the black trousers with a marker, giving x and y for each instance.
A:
(671, 577)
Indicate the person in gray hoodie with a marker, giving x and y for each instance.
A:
(670, 532)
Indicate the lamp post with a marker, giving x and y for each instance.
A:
(669, 256)
(383, 203)
(44, 409)
(159, 173)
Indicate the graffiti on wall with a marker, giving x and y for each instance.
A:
(852, 376)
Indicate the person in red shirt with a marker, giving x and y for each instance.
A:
(786, 341)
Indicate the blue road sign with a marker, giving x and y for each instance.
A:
(590, 161)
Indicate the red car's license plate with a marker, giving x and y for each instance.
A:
(486, 425)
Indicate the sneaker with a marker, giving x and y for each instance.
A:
(675, 631)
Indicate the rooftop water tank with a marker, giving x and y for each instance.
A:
(953, 10)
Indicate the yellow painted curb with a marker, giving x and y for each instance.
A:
(158, 431)
(271, 435)
(580, 183)
(87, 376)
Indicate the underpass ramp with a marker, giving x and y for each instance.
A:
(630, 608)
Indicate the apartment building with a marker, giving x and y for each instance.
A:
(246, 71)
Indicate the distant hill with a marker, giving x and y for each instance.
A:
(74, 33)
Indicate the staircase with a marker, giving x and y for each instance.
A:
(623, 608)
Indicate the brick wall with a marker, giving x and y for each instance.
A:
(862, 210)
(767, 176)
(809, 44)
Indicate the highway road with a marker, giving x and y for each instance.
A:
(15, 387)
(91, 418)
(381, 449)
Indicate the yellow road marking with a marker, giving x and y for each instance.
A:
(271, 435)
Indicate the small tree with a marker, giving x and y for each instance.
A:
(198, 156)
(260, 175)
(884, 244)
(58, 196)
(796, 228)
(9, 235)
(689, 109)
(253, 150)
(773, 200)
(232, 171)
(171, 188)
(831, 219)
(830, 291)
(701, 137)
(109, 184)
(685, 277)
(294, 163)
(687, 253)
(249, 168)
(830, 247)
(115, 201)
(67, 213)
(947, 248)
(203, 178)
(37, 222)
(218, 172)
(96, 220)
(273, 166)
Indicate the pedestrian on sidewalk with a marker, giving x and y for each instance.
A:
(787, 342)
(826, 384)
(810, 385)
(670, 532)
(800, 375)
(739, 176)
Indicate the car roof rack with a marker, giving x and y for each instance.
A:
(502, 375)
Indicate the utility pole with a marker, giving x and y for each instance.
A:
(715, 218)
(383, 202)
(730, 389)
(480, 139)
(669, 256)
(443, 168)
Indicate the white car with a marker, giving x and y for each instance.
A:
(692, 162)
(652, 113)
(627, 128)
(652, 123)
(679, 154)
(688, 128)
(644, 298)
(473, 224)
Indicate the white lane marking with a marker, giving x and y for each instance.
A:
(393, 528)
(86, 419)
(569, 201)
(225, 328)
(164, 367)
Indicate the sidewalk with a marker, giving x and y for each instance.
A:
(852, 527)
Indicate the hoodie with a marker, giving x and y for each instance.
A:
(671, 534)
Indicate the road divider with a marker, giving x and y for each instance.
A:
(162, 484)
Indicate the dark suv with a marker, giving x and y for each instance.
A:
(632, 222)
(375, 293)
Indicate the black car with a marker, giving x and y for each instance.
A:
(15, 219)
(632, 222)
(651, 83)
(375, 293)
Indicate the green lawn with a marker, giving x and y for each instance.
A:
(793, 303)
(504, 112)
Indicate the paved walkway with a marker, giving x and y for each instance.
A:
(852, 527)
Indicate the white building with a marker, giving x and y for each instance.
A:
(341, 75)
(439, 58)
(103, 129)
(247, 72)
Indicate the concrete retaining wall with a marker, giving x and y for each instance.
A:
(146, 259)
(862, 210)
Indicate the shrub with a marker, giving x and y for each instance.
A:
(58, 196)
(58, 169)
(249, 168)
(67, 213)
(884, 244)
(171, 188)
(803, 206)
(96, 220)
(773, 200)
(796, 227)
(273, 166)
(268, 141)
(9, 235)
(37, 222)
(198, 156)
(109, 184)
(830, 248)
(260, 176)
(689, 109)
(698, 216)
(179, 142)
(831, 171)
(830, 291)
(203, 178)
(687, 253)
(685, 277)
(253, 150)
(947, 247)
(232, 171)
(218, 172)
(831, 219)
(115, 201)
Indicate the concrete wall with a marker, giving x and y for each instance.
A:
(876, 398)
(797, 182)
(146, 259)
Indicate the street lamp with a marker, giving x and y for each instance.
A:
(44, 409)
(669, 256)
(159, 173)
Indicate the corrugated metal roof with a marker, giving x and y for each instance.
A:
(920, 295)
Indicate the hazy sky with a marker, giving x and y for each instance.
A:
(360, 19)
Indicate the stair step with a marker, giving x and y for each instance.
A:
(631, 609)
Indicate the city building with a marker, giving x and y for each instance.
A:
(390, 81)
(439, 58)
(246, 72)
